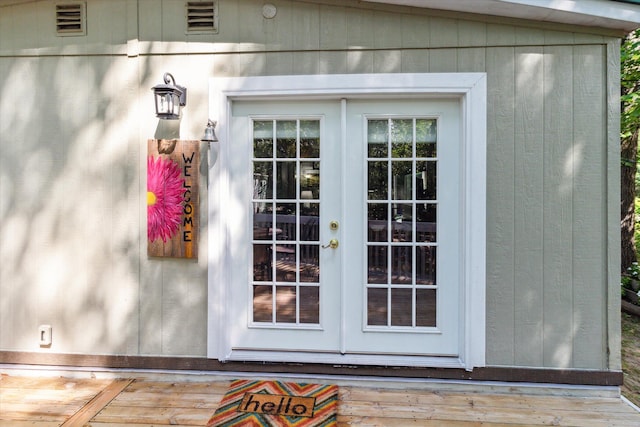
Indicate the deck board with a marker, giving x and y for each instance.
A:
(45, 402)
(99, 401)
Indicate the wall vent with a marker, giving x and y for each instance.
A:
(202, 17)
(70, 19)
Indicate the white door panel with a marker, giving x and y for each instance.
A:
(405, 297)
(279, 299)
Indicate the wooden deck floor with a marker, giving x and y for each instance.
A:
(44, 401)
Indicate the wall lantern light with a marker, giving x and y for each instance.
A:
(169, 98)
(210, 133)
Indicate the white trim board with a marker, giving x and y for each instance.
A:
(595, 13)
(469, 87)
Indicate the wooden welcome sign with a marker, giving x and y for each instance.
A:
(173, 170)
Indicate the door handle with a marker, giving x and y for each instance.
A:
(333, 244)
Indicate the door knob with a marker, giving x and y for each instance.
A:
(333, 244)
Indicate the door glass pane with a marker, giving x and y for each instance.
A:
(310, 139)
(286, 266)
(263, 139)
(401, 262)
(426, 138)
(262, 220)
(378, 224)
(377, 264)
(426, 307)
(402, 224)
(286, 133)
(286, 225)
(310, 180)
(310, 263)
(401, 173)
(378, 138)
(402, 138)
(286, 180)
(262, 303)
(286, 304)
(309, 304)
(262, 180)
(262, 262)
(426, 265)
(286, 218)
(401, 220)
(401, 307)
(377, 306)
(426, 222)
(377, 184)
(426, 180)
(310, 222)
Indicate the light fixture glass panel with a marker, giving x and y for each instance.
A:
(162, 103)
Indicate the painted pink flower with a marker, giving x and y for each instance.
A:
(164, 198)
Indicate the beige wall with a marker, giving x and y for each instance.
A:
(75, 114)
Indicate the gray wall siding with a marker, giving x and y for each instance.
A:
(75, 114)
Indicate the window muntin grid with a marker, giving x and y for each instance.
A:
(286, 209)
(401, 217)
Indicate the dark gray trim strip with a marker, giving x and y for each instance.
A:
(496, 373)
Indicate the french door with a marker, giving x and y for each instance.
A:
(347, 242)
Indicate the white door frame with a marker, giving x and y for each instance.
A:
(470, 88)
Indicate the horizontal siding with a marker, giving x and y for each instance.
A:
(547, 172)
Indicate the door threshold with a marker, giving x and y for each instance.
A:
(344, 359)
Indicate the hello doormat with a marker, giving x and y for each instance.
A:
(250, 403)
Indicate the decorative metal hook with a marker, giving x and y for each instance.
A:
(168, 78)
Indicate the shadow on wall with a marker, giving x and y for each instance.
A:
(71, 179)
(69, 197)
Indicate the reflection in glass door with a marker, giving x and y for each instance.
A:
(286, 209)
(402, 206)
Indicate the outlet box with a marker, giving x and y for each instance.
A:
(44, 335)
